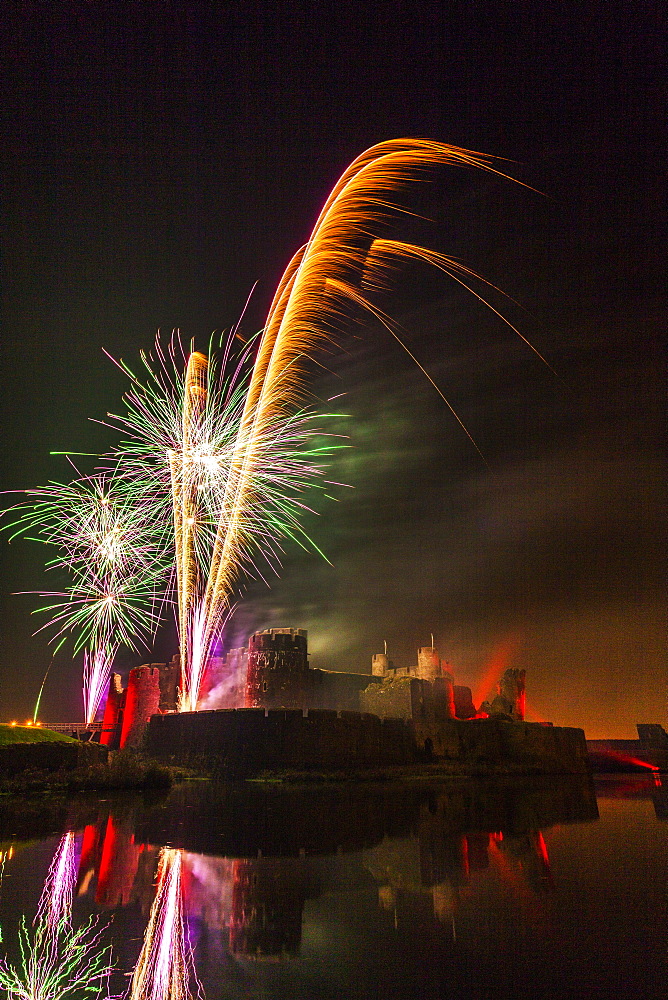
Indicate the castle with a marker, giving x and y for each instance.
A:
(279, 676)
(273, 674)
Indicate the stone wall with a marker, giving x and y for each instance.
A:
(246, 740)
(540, 747)
(242, 742)
(335, 689)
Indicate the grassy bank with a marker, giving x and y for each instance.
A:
(124, 772)
(14, 735)
(36, 761)
(416, 772)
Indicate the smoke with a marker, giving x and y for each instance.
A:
(228, 691)
(210, 889)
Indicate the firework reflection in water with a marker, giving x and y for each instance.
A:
(58, 962)
(165, 969)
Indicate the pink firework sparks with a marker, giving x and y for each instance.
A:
(165, 967)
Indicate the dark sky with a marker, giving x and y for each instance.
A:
(160, 158)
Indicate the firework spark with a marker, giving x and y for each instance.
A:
(181, 427)
(55, 904)
(165, 968)
(96, 673)
(118, 555)
(58, 961)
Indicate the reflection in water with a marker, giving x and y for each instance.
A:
(55, 904)
(256, 874)
(165, 967)
(267, 902)
(441, 871)
(118, 863)
(57, 960)
(279, 848)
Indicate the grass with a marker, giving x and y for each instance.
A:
(88, 770)
(425, 771)
(11, 735)
(126, 769)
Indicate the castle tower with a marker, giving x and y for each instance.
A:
(512, 686)
(277, 668)
(112, 710)
(509, 698)
(170, 675)
(429, 663)
(142, 698)
(379, 664)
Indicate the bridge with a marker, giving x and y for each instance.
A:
(77, 730)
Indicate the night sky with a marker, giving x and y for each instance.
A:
(159, 159)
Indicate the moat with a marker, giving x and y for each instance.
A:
(524, 887)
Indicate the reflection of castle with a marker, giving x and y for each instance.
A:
(268, 897)
(440, 878)
(246, 893)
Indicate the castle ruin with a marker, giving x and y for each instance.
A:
(274, 675)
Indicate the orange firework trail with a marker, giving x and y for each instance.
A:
(185, 500)
(311, 301)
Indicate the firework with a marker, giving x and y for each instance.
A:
(220, 456)
(313, 298)
(118, 554)
(57, 960)
(55, 904)
(96, 673)
(165, 968)
(180, 429)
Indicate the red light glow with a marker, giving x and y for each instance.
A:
(502, 656)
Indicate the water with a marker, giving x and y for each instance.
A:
(506, 888)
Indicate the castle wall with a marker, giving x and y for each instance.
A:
(170, 676)
(391, 699)
(406, 697)
(241, 742)
(142, 698)
(463, 701)
(245, 741)
(334, 689)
